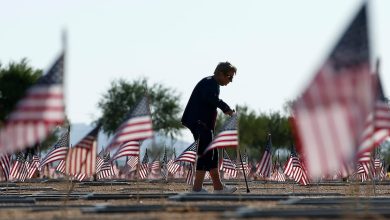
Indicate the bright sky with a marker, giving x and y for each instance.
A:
(277, 45)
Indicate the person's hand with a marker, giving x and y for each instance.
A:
(230, 112)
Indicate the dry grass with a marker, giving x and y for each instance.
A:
(172, 213)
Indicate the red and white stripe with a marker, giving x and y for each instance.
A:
(55, 155)
(144, 170)
(172, 166)
(61, 166)
(19, 171)
(33, 166)
(132, 162)
(265, 165)
(130, 148)
(224, 139)
(81, 159)
(5, 164)
(190, 175)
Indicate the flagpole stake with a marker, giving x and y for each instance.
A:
(242, 165)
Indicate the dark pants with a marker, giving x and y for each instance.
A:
(207, 161)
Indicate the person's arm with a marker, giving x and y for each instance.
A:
(211, 95)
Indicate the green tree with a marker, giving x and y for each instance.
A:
(123, 95)
(14, 81)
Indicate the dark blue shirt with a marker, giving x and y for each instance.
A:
(203, 104)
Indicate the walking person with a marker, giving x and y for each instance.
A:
(200, 117)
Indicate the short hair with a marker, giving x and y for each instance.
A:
(225, 67)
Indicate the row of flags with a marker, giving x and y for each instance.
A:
(183, 167)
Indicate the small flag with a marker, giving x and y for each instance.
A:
(189, 154)
(228, 166)
(81, 159)
(136, 127)
(130, 148)
(265, 166)
(58, 151)
(227, 136)
(144, 168)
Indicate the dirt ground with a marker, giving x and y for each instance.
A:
(175, 209)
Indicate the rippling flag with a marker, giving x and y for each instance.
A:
(37, 113)
(228, 166)
(330, 114)
(132, 162)
(81, 159)
(189, 154)
(227, 136)
(130, 148)
(33, 166)
(155, 169)
(5, 164)
(295, 169)
(265, 166)
(58, 151)
(19, 169)
(366, 162)
(190, 175)
(171, 165)
(136, 127)
(106, 170)
(377, 127)
(144, 167)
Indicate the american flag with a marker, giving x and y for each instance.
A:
(277, 173)
(144, 168)
(132, 162)
(155, 169)
(244, 164)
(377, 127)
(37, 113)
(136, 127)
(100, 160)
(189, 154)
(106, 169)
(61, 166)
(265, 166)
(367, 164)
(295, 170)
(19, 169)
(228, 166)
(330, 114)
(81, 159)
(33, 166)
(190, 175)
(379, 168)
(227, 136)
(362, 173)
(172, 166)
(58, 151)
(164, 165)
(5, 164)
(130, 148)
